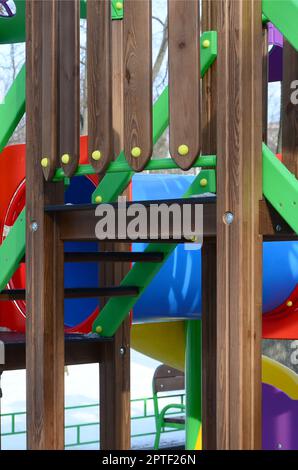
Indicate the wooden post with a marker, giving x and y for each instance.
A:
(115, 367)
(209, 114)
(239, 246)
(289, 115)
(44, 250)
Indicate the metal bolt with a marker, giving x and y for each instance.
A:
(278, 228)
(34, 226)
(122, 350)
(228, 218)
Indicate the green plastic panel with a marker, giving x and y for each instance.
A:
(13, 108)
(284, 15)
(117, 308)
(12, 250)
(12, 30)
(280, 187)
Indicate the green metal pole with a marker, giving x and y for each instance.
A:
(193, 385)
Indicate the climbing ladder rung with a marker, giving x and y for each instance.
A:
(113, 256)
(77, 293)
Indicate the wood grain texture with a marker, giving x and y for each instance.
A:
(184, 80)
(49, 54)
(69, 83)
(115, 368)
(138, 82)
(100, 130)
(290, 109)
(239, 246)
(209, 337)
(44, 272)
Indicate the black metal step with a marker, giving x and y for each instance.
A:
(77, 293)
(87, 207)
(113, 256)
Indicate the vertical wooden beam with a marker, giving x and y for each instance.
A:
(99, 84)
(44, 269)
(289, 115)
(209, 147)
(184, 81)
(115, 368)
(69, 84)
(138, 83)
(239, 246)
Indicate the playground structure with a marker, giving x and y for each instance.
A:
(197, 310)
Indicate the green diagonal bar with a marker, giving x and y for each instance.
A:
(12, 250)
(141, 274)
(284, 15)
(280, 187)
(13, 108)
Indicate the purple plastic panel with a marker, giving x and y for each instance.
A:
(275, 38)
(280, 419)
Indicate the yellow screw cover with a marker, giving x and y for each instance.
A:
(183, 150)
(206, 43)
(119, 5)
(136, 152)
(98, 329)
(65, 159)
(203, 182)
(98, 199)
(44, 162)
(96, 155)
(289, 303)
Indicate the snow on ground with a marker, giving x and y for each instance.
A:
(81, 388)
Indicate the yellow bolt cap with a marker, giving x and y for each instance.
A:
(98, 199)
(119, 5)
(136, 152)
(203, 182)
(98, 329)
(96, 155)
(289, 303)
(206, 43)
(183, 150)
(65, 159)
(44, 162)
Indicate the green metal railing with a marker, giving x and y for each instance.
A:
(146, 413)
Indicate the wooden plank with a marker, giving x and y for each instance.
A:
(184, 81)
(138, 83)
(239, 246)
(209, 336)
(290, 109)
(99, 56)
(49, 54)
(69, 84)
(44, 272)
(115, 368)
